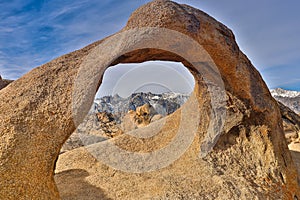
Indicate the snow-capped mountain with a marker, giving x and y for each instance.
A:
(278, 92)
(289, 98)
(167, 103)
(163, 104)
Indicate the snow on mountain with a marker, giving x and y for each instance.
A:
(164, 104)
(168, 103)
(278, 92)
(289, 98)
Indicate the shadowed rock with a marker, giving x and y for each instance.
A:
(4, 83)
(250, 160)
(291, 123)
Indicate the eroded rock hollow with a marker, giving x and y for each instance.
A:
(242, 155)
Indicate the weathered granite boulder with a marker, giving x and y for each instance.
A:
(226, 142)
(141, 117)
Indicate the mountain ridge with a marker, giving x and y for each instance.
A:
(289, 98)
(164, 104)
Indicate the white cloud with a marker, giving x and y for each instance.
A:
(269, 39)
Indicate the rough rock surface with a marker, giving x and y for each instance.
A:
(250, 161)
(295, 151)
(101, 126)
(141, 117)
(96, 127)
(108, 124)
(291, 123)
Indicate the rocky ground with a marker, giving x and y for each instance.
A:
(101, 126)
(111, 116)
(78, 170)
(291, 123)
(79, 175)
(294, 148)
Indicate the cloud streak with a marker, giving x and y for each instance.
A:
(34, 32)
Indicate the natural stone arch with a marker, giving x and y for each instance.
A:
(36, 112)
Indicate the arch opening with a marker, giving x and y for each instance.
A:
(131, 96)
(140, 48)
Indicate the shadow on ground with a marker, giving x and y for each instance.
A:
(73, 186)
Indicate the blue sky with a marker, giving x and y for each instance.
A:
(35, 32)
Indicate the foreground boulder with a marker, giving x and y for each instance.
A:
(247, 158)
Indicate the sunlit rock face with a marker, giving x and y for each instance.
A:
(250, 158)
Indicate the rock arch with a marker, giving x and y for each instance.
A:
(38, 112)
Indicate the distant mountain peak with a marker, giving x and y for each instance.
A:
(289, 98)
(279, 92)
(164, 104)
